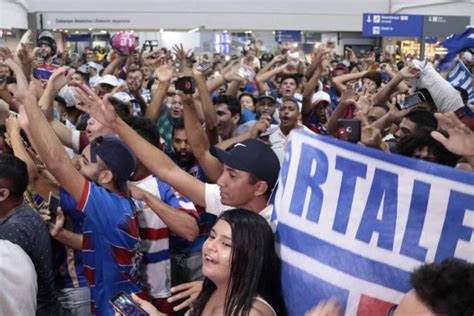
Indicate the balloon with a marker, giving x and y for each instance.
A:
(124, 43)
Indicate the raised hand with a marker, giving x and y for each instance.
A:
(233, 74)
(409, 71)
(179, 52)
(100, 109)
(461, 138)
(165, 71)
(279, 58)
(370, 136)
(23, 93)
(60, 77)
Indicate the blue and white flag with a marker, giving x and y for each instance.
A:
(354, 222)
(461, 77)
(456, 43)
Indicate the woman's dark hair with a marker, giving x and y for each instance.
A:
(255, 267)
(446, 288)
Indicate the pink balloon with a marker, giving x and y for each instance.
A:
(124, 43)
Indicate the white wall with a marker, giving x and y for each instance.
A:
(13, 14)
(310, 15)
(318, 15)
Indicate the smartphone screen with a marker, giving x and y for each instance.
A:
(185, 84)
(203, 67)
(349, 130)
(412, 100)
(124, 304)
(53, 204)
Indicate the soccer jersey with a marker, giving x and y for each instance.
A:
(110, 244)
(68, 261)
(155, 234)
(44, 71)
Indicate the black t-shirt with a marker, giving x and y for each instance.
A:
(27, 229)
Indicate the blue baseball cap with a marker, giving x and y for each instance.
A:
(117, 157)
(253, 156)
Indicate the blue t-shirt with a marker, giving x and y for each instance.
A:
(110, 246)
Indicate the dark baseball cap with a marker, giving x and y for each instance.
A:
(117, 157)
(267, 94)
(253, 156)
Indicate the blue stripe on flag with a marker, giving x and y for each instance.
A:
(402, 161)
(460, 76)
(345, 260)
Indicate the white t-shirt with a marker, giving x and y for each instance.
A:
(18, 281)
(214, 205)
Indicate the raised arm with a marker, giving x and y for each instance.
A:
(153, 158)
(384, 94)
(348, 98)
(181, 55)
(179, 222)
(110, 69)
(198, 140)
(163, 73)
(312, 83)
(263, 77)
(49, 148)
(340, 81)
(210, 117)
(38, 183)
(58, 80)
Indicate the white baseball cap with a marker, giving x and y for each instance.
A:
(320, 96)
(108, 79)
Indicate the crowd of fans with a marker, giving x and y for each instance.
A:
(164, 163)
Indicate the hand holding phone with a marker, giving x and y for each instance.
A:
(203, 67)
(124, 304)
(411, 100)
(53, 205)
(349, 130)
(185, 84)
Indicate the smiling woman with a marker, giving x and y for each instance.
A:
(241, 268)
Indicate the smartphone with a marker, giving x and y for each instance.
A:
(185, 84)
(349, 130)
(39, 55)
(378, 53)
(123, 303)
(3, 79)
(204, 67)
(53, 204)
(412, 100)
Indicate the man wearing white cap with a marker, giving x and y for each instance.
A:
(93, 69)
(105, 85)
(316, 119)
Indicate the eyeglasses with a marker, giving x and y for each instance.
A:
(391, 311)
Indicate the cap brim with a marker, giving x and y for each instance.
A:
(266, 97)
(227, 159)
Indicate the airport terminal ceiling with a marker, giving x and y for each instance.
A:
(318, 15)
